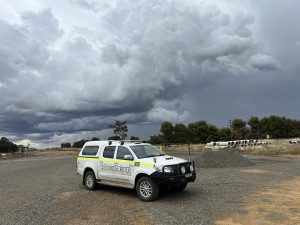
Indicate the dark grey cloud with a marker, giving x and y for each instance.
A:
(139, 63)
(242, 97)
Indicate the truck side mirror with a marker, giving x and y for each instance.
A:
(128, 157)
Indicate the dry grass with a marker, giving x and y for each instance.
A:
(53, 152)
(57, 152)
(278, 147)
(184, 148)
(295, 150)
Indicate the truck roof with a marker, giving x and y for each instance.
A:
(114, 142)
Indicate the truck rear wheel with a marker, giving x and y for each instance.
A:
(90, 180)
(146, 189)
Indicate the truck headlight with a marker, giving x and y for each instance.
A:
(191, 168)
(182, 169)
(167, 169)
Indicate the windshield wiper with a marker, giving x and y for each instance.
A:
(148, 156)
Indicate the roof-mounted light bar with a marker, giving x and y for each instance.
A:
(124, 141)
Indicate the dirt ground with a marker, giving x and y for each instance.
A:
(277, 204)
(48, 191)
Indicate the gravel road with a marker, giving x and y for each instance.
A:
(50, 192)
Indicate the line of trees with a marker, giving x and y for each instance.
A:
(7, 146)
(203, 132)
(77, 144)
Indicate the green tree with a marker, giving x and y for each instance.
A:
(212, 133)
(120, 128)
(279, 127)
(239, 130)
(202, 132)
(224, 134)
(255, 127)
(181, 134)
(65, 145)
(166, 129)
(134, 138)
(156, 139)
(7, 146)
(79, 144)
(4, 140)
(95, 139)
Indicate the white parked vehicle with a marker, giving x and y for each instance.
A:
(134, 165)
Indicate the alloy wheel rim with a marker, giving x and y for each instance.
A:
(89, 181)
(145, 189)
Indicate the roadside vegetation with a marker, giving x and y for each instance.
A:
(201, 132)
(6, 146)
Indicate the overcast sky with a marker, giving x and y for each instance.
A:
(68, 68)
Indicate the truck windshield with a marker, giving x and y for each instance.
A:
(145, 151)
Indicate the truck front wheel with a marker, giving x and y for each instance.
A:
(146, 189)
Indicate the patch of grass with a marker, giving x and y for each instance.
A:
(295, 151)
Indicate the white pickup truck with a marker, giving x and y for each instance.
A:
(133, 164)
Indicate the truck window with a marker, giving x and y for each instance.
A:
(90, 150)
(109, 152)
(122, 151)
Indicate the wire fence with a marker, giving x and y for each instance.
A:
(15, 155)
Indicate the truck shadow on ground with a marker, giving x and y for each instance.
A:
(164, 194)
(169, 195)
(116, 190)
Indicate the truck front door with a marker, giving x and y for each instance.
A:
(125, 166)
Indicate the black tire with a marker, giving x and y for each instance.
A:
(90, 181)
(180, 187)
(146, 189)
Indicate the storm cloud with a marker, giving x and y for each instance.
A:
(131, 60)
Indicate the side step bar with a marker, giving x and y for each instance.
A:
(115, 183)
